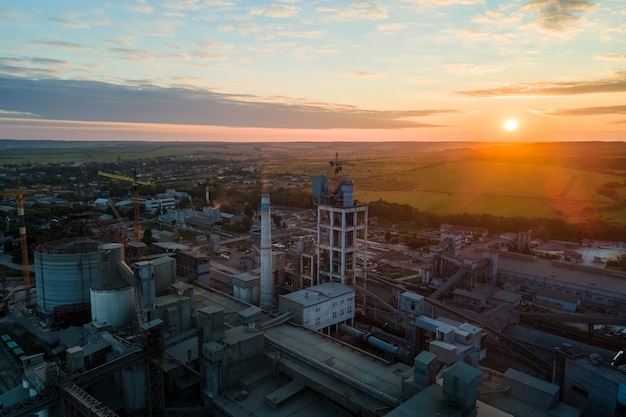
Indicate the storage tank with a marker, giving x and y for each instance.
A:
(64, 277)
(112, 296)
(67, 262)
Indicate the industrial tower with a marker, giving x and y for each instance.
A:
(341, 223)
(267, 279)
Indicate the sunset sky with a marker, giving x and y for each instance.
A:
(220, 70)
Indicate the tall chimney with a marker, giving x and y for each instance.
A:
(208, 201)
(267, 285)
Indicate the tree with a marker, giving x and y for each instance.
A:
(278, 220)
(619, 263)
(147, 237)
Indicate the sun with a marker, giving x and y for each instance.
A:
(510, 125)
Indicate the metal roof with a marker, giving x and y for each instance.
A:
(531, 381)
(318, 293)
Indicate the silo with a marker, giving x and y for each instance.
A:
(64, 272)
(112, 296)
(67, 261)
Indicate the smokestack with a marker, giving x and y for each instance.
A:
(208, 201)
(267, 285)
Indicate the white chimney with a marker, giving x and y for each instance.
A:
(267, 282)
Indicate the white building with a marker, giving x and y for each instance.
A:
(154, 205)
(320, 306)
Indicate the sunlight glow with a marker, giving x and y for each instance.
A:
(510, 125)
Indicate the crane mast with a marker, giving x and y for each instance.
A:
(135, 182)
(19, 196)
(23, 243)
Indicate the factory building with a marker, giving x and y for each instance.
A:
(594, 386)
(589, 284)
(321, 306)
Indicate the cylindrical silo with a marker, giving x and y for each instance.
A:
(113, 296)
(67, 262)
(116, 307)
(64, 271)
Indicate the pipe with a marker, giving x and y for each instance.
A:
(276, 320)
(369, 339)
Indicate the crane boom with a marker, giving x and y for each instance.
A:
(137, 228)
(124, 178)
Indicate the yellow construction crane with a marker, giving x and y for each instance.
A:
(19, 195)
(135, 182)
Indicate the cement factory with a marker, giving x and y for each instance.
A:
(299, 323)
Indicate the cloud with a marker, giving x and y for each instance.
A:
(133, 54)
(465, 69)
(362, 74)
(56, 99)
(274, 10)
(585, 111)
(36, 61)
(306, 34)
(208, 56)
(95, 17)
(611, 57)
(16, 17)
(390, 27)
(363, 10)
(615, 84)
(124, 41)
(11, 113)
(31, 66)
(64, 45)
(182, 4)
(70, 22)
(447, 2)
(244, 28)
(557, 15)
(140, 7)
(323, 9)
(218, 3)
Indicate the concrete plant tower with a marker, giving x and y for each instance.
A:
(341, 226)
(267, 281)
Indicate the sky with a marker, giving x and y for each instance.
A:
(313, 70)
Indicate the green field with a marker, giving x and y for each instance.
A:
(97, 152)
(528, 180)
(553, 180)
(502, 188)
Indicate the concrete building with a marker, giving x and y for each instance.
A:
(156, 205)
(557, 299)
(246, 286)
(320, 306)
